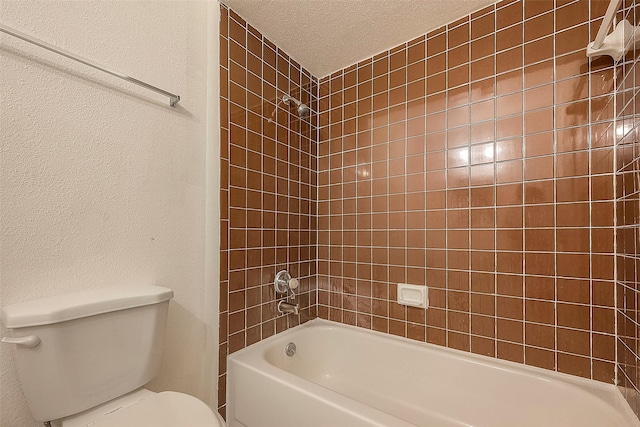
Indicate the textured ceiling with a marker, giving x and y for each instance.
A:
(327, 35)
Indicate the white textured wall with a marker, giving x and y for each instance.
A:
(102, 184)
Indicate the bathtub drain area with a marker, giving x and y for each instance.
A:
(290, 349)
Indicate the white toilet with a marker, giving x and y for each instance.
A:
(82, 359)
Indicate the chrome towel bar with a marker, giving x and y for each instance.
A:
(173, 99)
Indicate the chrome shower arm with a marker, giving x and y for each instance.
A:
(287, 99)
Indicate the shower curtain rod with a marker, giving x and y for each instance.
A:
(173, 98)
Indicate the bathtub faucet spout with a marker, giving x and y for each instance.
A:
(286, 308)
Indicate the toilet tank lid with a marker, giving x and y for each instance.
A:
(46, 311)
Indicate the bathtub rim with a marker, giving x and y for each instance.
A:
(254, 357)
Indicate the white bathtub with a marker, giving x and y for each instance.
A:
(342, 376)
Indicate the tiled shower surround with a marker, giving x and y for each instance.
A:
(479, 159)
(628, 215)
(268, 187)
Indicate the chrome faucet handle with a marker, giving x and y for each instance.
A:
(281, 282)
(293, 285)
(284, 283)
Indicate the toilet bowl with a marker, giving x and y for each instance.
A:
(83, 359)
(145, 408)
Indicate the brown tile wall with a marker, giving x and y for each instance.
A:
(268, 188)
(628, 219)
(477, 160)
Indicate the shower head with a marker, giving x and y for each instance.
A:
(302, 110)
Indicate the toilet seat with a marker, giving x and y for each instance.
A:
(165, 409)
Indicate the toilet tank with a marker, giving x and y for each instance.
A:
(93, 346)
